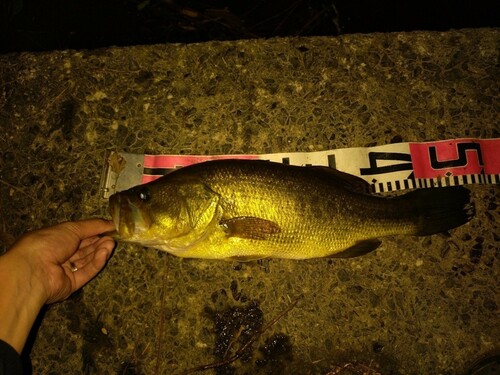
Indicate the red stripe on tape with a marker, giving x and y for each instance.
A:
(175, 161)
(455, 157)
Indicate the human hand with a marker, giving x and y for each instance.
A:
(46, 266)
(63, 258)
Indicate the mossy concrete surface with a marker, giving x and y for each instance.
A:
(415, 306)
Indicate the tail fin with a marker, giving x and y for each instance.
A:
(440, 209)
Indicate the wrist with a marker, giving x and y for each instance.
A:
(21, 299)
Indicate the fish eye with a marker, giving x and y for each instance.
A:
(144, 194)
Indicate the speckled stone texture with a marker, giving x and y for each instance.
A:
(415, 306)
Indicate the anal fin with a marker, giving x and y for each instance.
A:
(359, 248)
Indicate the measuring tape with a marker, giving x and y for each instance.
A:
(386, 168)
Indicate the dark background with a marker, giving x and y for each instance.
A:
(37, 25)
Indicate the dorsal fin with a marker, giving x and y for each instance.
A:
(348, 181)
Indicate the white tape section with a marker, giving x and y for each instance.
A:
(386, 168)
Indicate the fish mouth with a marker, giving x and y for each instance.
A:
(114, 210)
(128, 218)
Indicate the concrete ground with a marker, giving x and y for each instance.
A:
(424, 305)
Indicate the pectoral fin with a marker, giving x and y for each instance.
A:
(358, 249)
(250, 227)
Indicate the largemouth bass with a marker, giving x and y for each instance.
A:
(247, 209)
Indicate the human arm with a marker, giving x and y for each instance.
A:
(39, 269)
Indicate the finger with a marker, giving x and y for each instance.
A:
(94, 266)
(88, 246)
(87, 228)
(89, 241)
(86, 254)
